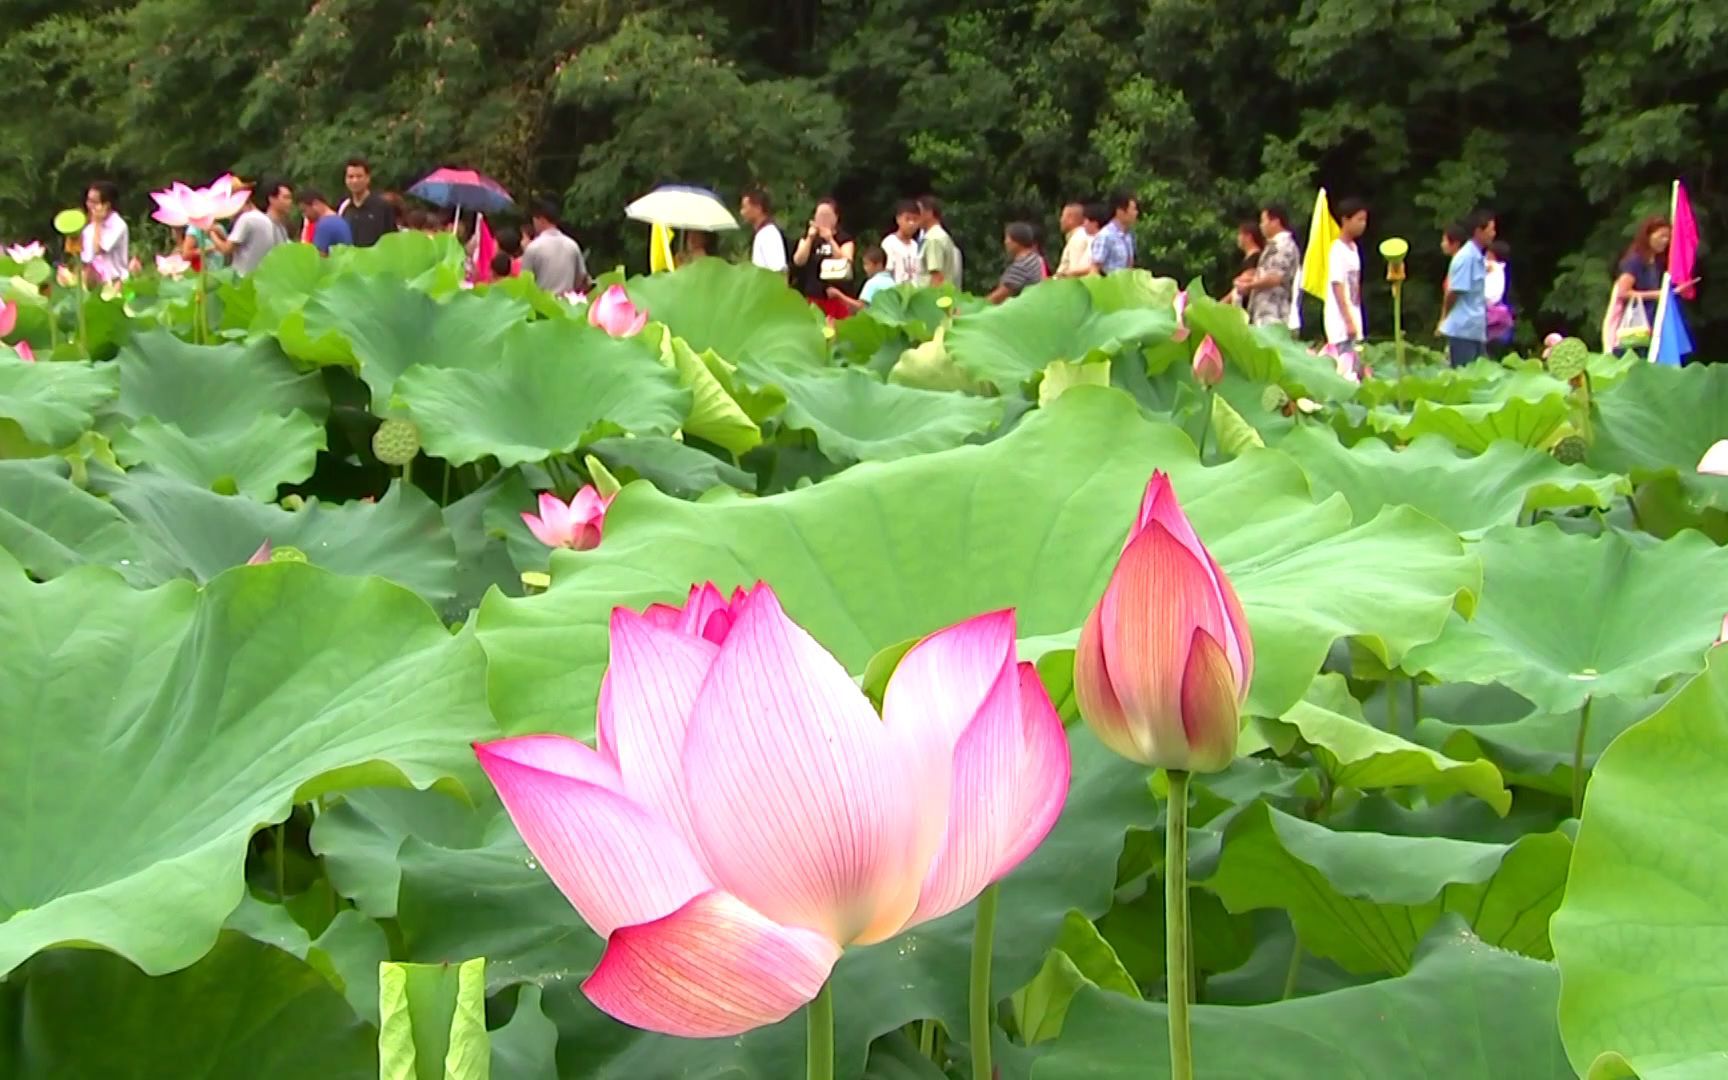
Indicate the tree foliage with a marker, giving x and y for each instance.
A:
(1570, 119)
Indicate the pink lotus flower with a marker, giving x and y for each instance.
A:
(262, 555)
(1549, 342)
(1181, 333)
(25, 352)
(172, 266)
(180, 206)
(23, 253)
(746, 814)
(8, 318)
(1165, 658)
(575, 524)
(1208, 363)
(1715, 460)
(615, 314)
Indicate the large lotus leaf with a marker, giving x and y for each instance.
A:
(670, 465)
(1009, 344)
(715, 415)
(550, 387)
(1364, 900)
(1227, 325)
(915, 310)
(742, 313)
(1469, 492)
(495, 900)
(1640, 938)
(858, 417)
(51, 402)
(1661, 419)
(427, 262)
(358, 838)
(390, 327)
(1565, 617)
(183, 720)
(1464, 1010)
(207, 389)
(1034, 520)
(1476, 426)
(1131, 289)
(1356, 754)
(254, 459)
(527, 1047)
(1534, 749)
(247, 1009)
(50, 525)
(347, 953)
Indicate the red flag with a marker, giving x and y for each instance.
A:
(485, 250)
(306, 231)
(1683, 245)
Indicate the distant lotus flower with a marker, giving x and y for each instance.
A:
(615, 314)
(23, 253)
(1181, 317)
(1549, 342)
(172, 266)
(180, 206)
(746, 814)
(25, 352)
(65, 276)
(1165, 658)
(261, 556)
(1715, 460)
(1208, 363)
(575, 525)
(8, 318)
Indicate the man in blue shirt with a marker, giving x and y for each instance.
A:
(1113, 247)
(1464, 313)
(328, 227)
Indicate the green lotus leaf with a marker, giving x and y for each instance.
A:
(50, 525)
(548, 388)
(1009, 344)
(857, 417)
(715, 414)
(253, 460)
(1640, 935)
(1567, 617)
(1477, 426)
(52, 402)
(214, 711)
(671, 466)
(1469, 492)
(1659, 421)
(433, 1024)
(740, 312)
(1062, 375)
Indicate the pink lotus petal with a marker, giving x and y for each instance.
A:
(941, 682)
(617, 862)
(585, 537)
(1715, 460)
(540, 530)
(25, 352)
(1011, 770)
(261, 556)
(1208, 363)
(614, 313)
(803, 810)
(1159, 504)
(712, 968)
(1211, 716)
(8, 318)
(1095, 692)
(1722, 635)
(645, 701)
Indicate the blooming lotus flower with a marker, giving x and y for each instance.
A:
(25, 352)
(615, 314)
(1208, 363)
(1165, 658)
(745, 814)
(23, 253)
(172, 266)
(575, 524)
(180, 206)
(1715, 460)
(8, 318)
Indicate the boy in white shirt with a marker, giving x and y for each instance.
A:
(1344, 325)
(768, 249)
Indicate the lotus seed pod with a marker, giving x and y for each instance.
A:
(396, 442)
(1570, 450)
(1568, 359)
(1273, 398)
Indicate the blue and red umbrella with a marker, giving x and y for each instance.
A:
(464, 189)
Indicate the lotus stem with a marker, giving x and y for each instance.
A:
(927, 1039)
(1293, 971)
(1177, 974)
(1415, 703)
(1392, 706)
(820, 1014)
(281, 860)
(1578, 759)
(444, 500)
(1206, 422)
(983, 942)
(83, 322)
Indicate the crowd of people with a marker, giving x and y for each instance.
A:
(824, 264)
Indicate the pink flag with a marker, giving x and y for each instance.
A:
(485, 250)
(1683, 248)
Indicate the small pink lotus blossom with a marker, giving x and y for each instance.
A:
(1165, 658)
(745, 814)
(1181, 333)
(1715, 460)
(1549, 342)
(172, 265)
(23, 253)
(25, 352)
(8, 318)
(261, 556)
(1208, 363)
(575, 525)
(180, 206)
(615, 314)
(66, 276)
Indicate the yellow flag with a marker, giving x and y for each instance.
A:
(1321, 232)
(659, 249)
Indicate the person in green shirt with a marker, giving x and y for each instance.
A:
(940, 256)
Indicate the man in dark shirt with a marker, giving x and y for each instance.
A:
(368, 215)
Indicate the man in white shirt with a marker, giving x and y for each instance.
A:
(1076, 258)
(106, 240)
(263, 226)
(553, 258)
(900, 247)
(768, 249)
(1344, 325)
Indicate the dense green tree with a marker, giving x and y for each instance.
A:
(1569, 119)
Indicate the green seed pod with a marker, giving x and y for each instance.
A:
(396, 442)
(1568, 360)
(288, 554)
(1570, 450)
(1273, 398)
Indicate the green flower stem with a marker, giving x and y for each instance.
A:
(983, 942)
(1578, 759)
(927, 1039)
(1292, 972)
(1415, 703)
(282, 860)
(820, 1014)
(1392, 706)
(1205, 422)
(1177, 973)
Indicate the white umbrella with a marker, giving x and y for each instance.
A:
(679, 207)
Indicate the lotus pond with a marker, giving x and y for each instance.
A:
(1472, 828)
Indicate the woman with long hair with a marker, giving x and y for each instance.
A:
(1637, 280)
(823, 260)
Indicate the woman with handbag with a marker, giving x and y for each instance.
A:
(823, 260)
(1637, 287)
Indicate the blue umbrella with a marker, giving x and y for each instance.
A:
(464, 189)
